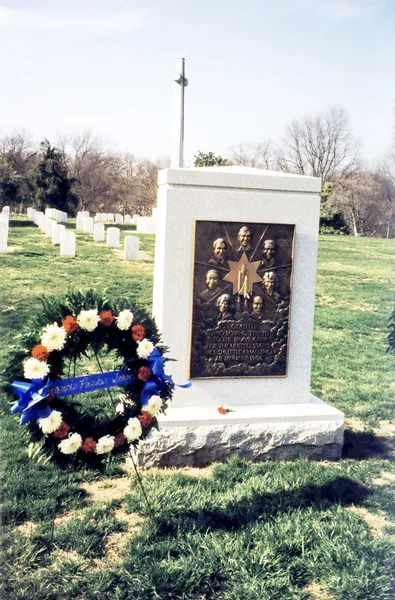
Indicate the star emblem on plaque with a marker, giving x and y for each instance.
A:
(242, 288)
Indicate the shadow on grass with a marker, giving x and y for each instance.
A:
(17, 223)
(341, 491)
(363, 445)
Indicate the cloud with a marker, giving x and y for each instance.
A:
(116, 22)
(338, 10)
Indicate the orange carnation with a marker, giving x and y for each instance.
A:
(70, 324)
(145, 419)
(40, 353)
(106, 318)
(119, 440)
(88, 445)
(62, 431)
(222, 410)
(138, 332)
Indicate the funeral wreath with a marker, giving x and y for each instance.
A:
(81, 419)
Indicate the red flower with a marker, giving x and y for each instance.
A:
(144, 373)
(40, 353)
(145, 419)
(119, 440)
(222, 410)
(70, 324)
(138, 332)
(106, 318)
(88, 445)
(62, 431)
(50, 397)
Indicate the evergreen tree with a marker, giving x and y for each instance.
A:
(53, 186)
(10, 182)
(209, 160)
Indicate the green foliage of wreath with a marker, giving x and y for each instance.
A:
(122, 409)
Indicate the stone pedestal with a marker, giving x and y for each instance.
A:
(273, 415)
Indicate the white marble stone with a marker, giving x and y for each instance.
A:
(146, 225)
(104, 217)
(98, 217)
(110, 217)
(113, 237)
(4, 222)
(134, 219)
(132, 246)
(99, 232)
(57, 231)
(234, 194)
(79, 224)
(88, 225)
(37, 216)
(63, 217)
(3, 240)
(128, 219)
(6, 209)
(43, 223)
(68, 244)
(118, 219)
(48, 227)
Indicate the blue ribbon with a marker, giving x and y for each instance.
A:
(31, 399)
(32, 396)
(158, 379)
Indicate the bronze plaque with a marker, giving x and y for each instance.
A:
(242, 288)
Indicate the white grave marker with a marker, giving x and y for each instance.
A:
(67, 243)
(57, 231)
(99, 232)
(88, 225)
(113, 236)
(48, 227)
(132, 246)
(128, 219)
(118, 219)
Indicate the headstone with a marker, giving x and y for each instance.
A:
(132, 245)
(118, 219)
(43, 223)
(57, 231)
(3, 241)
(110, 217)
(99, 232)
(67, 243)
(63, 217)
(88, 225)
(104, 217)
(4, 222)
(128, 219)
(146, 225)
(79, 224)
(134, 219)
(6, 209)
(222, 299)
(98, 217)
(113, 236)
(37, 216)
(48, 227)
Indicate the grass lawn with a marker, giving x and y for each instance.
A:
(269, 531)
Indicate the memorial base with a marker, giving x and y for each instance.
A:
(200, 436)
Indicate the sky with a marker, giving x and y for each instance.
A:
(108, 66)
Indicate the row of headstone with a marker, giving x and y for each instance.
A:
(56, 215)
(47, 223)
(113, 235)
(4, 225)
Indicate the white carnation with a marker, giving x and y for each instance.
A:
(124, 319)
(88, 319)
(120, 409)
(53, 337)
(105, 444)
(71, 444)
(35, 369)
(144, 348)
(154, 405)
(51, 423)
(133, 429)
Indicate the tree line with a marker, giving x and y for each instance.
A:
(79, 173)
(83, 173)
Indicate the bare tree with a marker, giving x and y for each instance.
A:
(261, 156)
(359, 198)
(320, 145)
